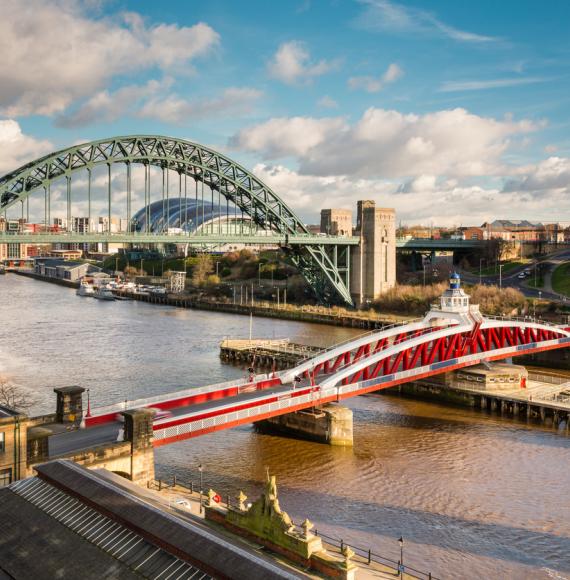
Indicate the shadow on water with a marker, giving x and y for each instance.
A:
(343, 515)
(463, 419)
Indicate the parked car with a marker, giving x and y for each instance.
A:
(521, 276)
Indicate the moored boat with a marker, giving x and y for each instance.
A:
(85, 289)
(102, 293)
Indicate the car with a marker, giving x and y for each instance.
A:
(521, 276)
(526, 272)
(160, 413)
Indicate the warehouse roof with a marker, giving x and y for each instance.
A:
(69, 522)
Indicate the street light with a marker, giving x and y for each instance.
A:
(401, 567)
(501, 276)
(480, 270)
(200, 469)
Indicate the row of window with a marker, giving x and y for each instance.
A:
(500, 379)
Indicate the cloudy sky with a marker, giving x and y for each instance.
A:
(451, 112)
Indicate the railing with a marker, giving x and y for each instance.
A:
(368, 333)
(148, 401)
(364, 555)
(554, 380)
(369, 556)
(523, 319)
(232, 416)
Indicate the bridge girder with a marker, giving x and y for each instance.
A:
(240, 187)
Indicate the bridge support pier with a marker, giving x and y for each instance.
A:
(138, 430)
(331, 424)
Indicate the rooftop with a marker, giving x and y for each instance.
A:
(86, 525)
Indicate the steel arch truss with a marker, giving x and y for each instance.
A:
(234, 182)
(414, 349)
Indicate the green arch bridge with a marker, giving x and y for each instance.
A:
(323, 260)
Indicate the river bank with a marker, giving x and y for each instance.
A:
(315, 314)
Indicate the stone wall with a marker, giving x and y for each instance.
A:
(330, 424)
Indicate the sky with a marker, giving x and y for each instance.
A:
(453, 113)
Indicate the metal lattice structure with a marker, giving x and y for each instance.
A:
(177, 281)
(326, 267)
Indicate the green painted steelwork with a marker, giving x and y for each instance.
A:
(161, 238)
(316, 261)
(437, 245)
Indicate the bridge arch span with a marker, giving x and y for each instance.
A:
(436, 350)
(215, 170)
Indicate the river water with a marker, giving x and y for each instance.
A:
(473, 495)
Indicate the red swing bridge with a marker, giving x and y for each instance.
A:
(453, 334)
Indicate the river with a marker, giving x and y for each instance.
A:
(473, 495)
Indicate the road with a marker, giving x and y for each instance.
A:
(80, 439)
(511, 280)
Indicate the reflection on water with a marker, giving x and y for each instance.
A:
(473, 495)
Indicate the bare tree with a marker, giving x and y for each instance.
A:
(14, 397)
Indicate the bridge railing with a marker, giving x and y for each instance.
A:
(524, 319)
(365, 334)
(309, 399)
(192, 391)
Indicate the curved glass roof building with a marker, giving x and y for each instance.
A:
(190, 215)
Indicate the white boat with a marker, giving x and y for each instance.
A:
(102, 293)
(85, 290)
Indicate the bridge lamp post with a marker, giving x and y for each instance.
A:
(200, 469)
(401, 567)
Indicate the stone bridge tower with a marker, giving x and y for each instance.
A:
(373, 261)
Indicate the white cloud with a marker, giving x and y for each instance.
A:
(387, 16)
(55, 53)
(546, 178)
(424, 199)
(17, 148)
(455, 86)
(327, 102)
(105, 106)
(291, 64)
(175, 109)
(308, 193)
(373, 84)
(284, 137)
(387, 143)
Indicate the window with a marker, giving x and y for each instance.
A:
(2, 442)
(5, 477)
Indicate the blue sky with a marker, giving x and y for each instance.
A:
(452, 112)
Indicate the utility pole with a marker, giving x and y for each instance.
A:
(501, 276)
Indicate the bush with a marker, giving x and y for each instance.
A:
(417, 300)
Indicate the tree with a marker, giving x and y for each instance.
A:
(13, 396)
(131, 272)
(203, 268)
